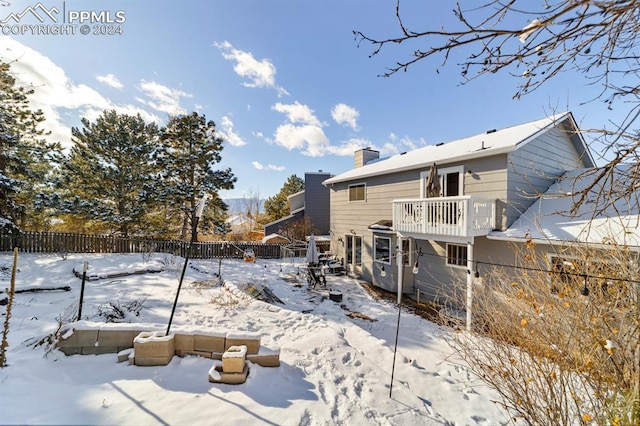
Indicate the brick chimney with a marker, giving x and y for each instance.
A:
(364, 156)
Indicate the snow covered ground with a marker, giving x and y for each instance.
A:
(336, 357)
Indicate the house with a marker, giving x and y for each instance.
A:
(436, 207)
(312, 203)
(582, 213)
(238, 224)
(274, 239)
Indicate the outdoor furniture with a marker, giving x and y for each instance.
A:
(336, 267)
(315, 276)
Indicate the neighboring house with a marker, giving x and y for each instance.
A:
(312, 202)
(384, 209)
(239, 224)
(274, 239)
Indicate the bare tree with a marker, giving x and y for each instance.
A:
(298, 230)
(252, 205)
(535, 41)
(558, 338)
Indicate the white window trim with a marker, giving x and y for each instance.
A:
(375, 250)
(441, 172)
(349, 192)
(451, 265)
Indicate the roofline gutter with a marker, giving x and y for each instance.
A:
(470, 155)
(635, 249)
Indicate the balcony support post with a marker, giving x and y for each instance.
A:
(470, 277)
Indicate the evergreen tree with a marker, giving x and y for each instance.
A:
(108, 175)
(189, 151)
(277, 207)
(24, 156)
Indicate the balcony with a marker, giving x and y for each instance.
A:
(466, 216)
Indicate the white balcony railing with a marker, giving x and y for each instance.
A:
(466, 216)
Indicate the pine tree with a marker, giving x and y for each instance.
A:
(24, 156)
(189, 151)
(109, 173)
(277, 207)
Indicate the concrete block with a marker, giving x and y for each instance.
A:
(118, 338)
(124, 355)
(132, 357)
(80, 338)
(154, 344)
(99, 350)
(266, 357)
(184, 342)
(152, 360)
(70, 350)
(250, 340)
(216, 375)
(209, 343)
(233, 360)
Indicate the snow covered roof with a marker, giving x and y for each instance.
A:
(485, 144)
(273, 237)
(382, 225)
(548, 219)
(238, 219)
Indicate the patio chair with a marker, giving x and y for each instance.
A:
(315, 277)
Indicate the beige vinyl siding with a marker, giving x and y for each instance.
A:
(436, 280)
(535, 166)
(357, 216)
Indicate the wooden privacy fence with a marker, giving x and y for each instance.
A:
(52, 242)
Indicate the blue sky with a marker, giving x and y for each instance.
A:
(285, 81)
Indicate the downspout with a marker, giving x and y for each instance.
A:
(400, 267)
(470, 277)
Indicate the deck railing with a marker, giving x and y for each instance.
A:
(466, 216)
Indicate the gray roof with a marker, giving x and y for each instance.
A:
(482, 145)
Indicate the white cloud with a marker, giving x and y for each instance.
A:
(403, 144)
(55, 94)
(111, 81)
(298, 113)
(345, 115)
(259, 166)
(259, 73)
(348, 147)
(225, 128)
(310, 139)
(394, 146)
(162, 98)
(303, 131)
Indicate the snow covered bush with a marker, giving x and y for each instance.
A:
(120, 312)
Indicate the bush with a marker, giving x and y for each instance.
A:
(558, 338)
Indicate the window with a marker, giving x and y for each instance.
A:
(382, 249)
(353, 250)
(406, 252)
(451, 182)
(584, 275)
(357, 192)
(456, 255)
